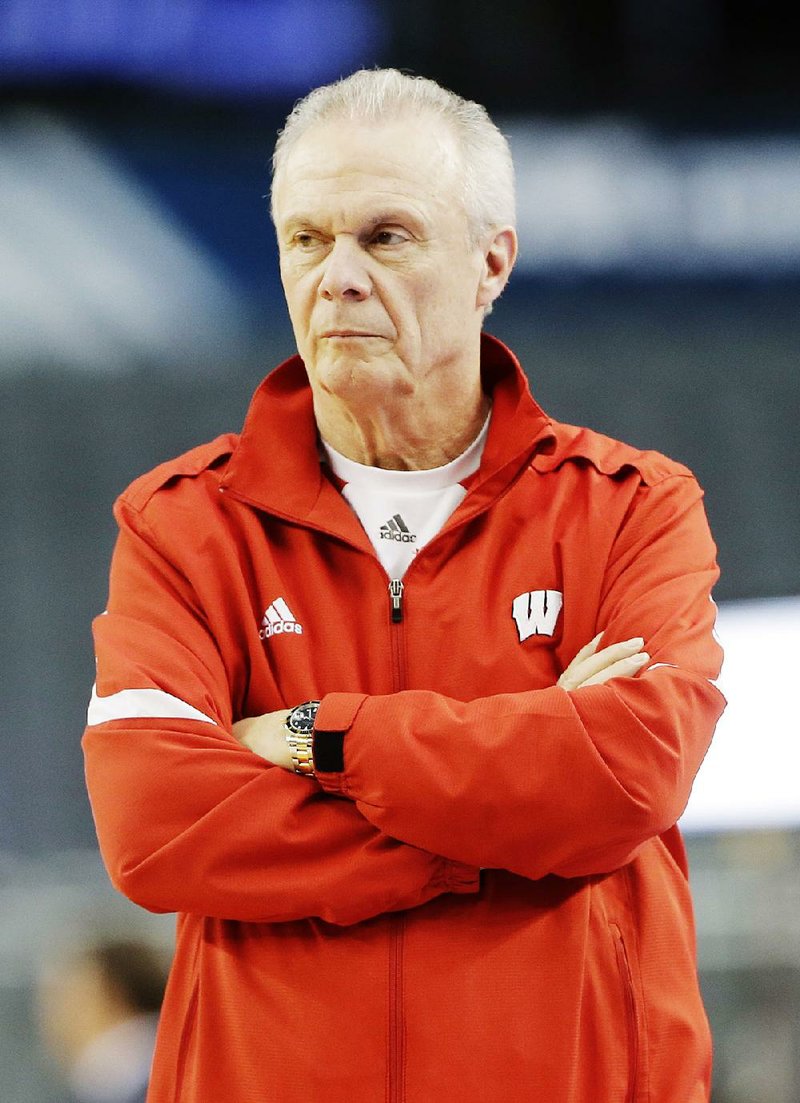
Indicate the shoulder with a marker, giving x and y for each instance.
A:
(191, 466)
(574, 444)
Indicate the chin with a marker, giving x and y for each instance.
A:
(358, 380)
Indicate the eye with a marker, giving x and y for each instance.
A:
(305, 240)
(388, 238)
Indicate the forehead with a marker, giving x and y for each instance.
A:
(360, 164)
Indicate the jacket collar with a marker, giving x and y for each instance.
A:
(275, 464)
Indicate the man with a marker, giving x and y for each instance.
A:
(347, 723)
(98, 1010)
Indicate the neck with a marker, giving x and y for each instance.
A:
(407, 437)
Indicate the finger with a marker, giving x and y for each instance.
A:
(623, 668)
(581, 669)
(587, 650)
(571, 671)
(593, 664)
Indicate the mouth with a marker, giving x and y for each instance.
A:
(346, 334)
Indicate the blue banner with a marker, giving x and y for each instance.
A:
(219, 46)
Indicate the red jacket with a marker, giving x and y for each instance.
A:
(490, 902)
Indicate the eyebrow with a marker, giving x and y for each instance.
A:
(396, 214)
(387, 216)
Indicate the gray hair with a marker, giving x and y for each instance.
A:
(371, 95)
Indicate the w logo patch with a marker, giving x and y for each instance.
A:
(536, 612)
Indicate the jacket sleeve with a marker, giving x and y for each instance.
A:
(189, 820)
(550, 781)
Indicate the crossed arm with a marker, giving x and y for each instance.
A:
(265, 735)
(571, 780)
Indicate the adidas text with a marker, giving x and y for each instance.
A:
(402, 537)
(281, 628)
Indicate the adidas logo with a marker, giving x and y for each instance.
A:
(396, 529)
(279, 620)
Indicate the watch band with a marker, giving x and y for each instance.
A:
(328, 752)
(299, 727)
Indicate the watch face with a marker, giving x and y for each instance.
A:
(301, 718)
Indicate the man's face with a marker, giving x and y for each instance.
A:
(385, 289)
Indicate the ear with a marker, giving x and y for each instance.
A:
(499, 255)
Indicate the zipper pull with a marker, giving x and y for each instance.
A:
(396, 596)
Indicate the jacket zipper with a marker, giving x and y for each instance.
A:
(397, 633)
(396, 597)
(395, 1065)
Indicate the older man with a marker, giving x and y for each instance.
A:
(420, 833)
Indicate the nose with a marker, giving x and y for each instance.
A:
(345, 275)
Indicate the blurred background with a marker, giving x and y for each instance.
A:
(657, 299)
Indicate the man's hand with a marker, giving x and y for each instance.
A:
(266, 736)
(591, 667)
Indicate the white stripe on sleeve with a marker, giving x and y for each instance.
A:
(655, 666)
(135, 704)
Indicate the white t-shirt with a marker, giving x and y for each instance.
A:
(402, 510)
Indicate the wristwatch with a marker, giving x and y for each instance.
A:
(299, 726)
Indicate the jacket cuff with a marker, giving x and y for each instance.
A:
(460, 878)
(335, 716)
